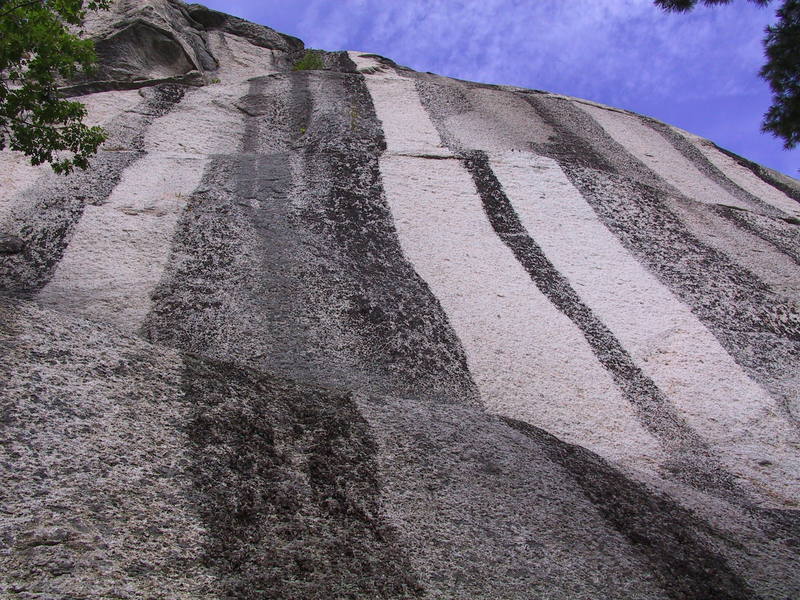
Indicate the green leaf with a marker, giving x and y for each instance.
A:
(36, 49)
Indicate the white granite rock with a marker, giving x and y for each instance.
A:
(363, 332)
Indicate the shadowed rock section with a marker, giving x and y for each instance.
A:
(273, 489)
(669, 537)
(144, 42)
(462, 485)
(142, 50)
(286, 482)
(361, 332)
(306, 249)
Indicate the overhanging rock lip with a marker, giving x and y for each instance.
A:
(428, 155)
(192, 78)
(211, 19)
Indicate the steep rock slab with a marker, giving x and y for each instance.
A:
(689, 456)
(110, 277)
(728, 231)
(755, 324)
(293, 237)
(745, 178)
(400, 333)
(17, 174)
(668, 407)
(650, 147)
(461, 101)
(199, 479)
(96, 501)
(758, 327)
(45, 213)
(255, 34)
(287, 484)
(141, 50)
(138, 472)
(786, 184)
(783, 234)
(484, 513)
(289, 256)
(708, 168)
(580, 141)
(662, 336)
(239, 59)
(510, 331)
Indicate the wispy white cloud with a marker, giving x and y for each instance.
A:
(621, 52)
(582, 47)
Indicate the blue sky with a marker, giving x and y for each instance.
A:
(696, 70)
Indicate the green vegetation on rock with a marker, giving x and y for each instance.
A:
(312, 60)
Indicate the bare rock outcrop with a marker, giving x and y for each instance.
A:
(364, 332)
(142, 43)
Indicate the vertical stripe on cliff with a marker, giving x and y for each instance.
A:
(293, 236)
(694, 461)
(45, 215)
(756, 325)
(510, 331)
(286, 482)
(110, 276)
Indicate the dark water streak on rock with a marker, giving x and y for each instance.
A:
(691, 460)
(755, 325)
(287, 486)
(668, 535)
(54, 204)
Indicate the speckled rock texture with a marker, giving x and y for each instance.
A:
(362, 332)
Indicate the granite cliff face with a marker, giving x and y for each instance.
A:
(364, 332)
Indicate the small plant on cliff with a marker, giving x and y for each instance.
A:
(311, 61)
(36, 48)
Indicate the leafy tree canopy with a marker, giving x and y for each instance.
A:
(782, 69)
(36, 49)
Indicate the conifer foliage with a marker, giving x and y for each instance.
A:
(782, 69)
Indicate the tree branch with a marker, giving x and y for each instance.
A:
(18, 6)
(35, 125)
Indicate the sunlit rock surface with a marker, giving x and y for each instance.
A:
(364, 332)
